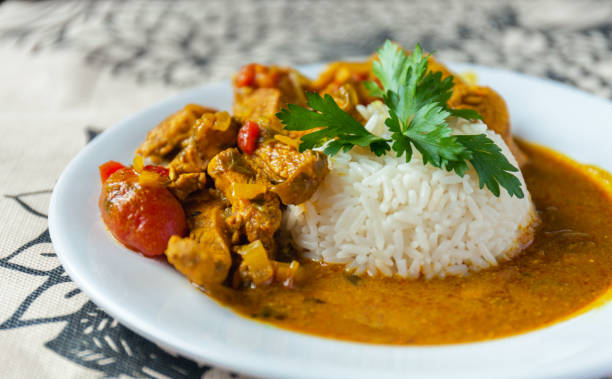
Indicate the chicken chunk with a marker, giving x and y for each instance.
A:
(210, 134)
(261, 91)
(258, 217)
(343, 72)
(344, 81)
(295, 176)
(259, 105)
(348, 97)
(202, 263)
(229, 168)
(167, 137)
(204, 256)
(185, 184)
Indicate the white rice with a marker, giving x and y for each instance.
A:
(381, 214)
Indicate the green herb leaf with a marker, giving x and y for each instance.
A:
(338, 129)
(468, 114)
(429, 133)
(402, 97)
(491, 165)
(401, 143)
(417, 106)
(407, 76)
(418, 103)
(374, 89)
(392, 66)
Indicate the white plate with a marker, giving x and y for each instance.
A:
(158, 303)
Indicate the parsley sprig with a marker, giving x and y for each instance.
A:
(418, 110)
(340, 130)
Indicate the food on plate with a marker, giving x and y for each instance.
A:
(385, 201)
(138, 209)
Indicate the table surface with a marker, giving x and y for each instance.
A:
(71, 69)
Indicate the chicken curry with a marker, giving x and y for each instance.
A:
(212, 200)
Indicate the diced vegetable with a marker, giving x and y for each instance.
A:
(247, 137)
(108, 168)
(248, 190)
(138, 163)
(143, 218)
(154, 176)
(149, 178)
(256, 266)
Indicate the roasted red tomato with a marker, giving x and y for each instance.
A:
(258, 76)
(142, 217)
(247, 137)
(246, 76)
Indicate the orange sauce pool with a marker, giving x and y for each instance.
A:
(566, 269)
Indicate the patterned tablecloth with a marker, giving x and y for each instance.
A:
(71, 69)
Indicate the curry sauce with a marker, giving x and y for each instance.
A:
(568, 267)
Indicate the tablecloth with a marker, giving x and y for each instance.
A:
(69, 70)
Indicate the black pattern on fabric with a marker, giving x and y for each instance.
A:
(94, 340)
(91, 132)
(185, 43)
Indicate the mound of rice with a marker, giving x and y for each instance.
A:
(381, 214)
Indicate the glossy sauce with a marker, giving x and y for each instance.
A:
(568, 267)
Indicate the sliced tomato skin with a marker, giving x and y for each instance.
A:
(143, 218)
(106, 169)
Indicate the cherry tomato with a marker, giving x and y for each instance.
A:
(108, 168)
(143, 218)
(246, 75)
(247, 137)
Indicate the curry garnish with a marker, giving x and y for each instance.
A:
(418, 112)
(339, 131)
(491, 165)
